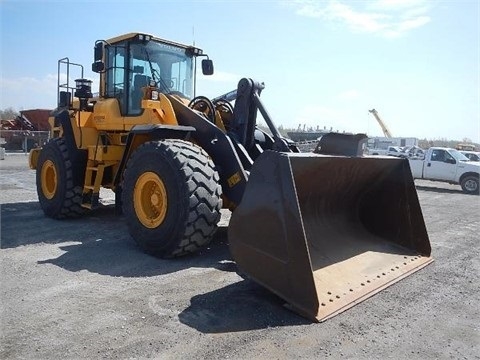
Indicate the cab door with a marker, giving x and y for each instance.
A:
(440, 166)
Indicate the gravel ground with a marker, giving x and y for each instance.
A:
(81, 289)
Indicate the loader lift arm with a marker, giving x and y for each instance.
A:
(235, 151)
(245, 113)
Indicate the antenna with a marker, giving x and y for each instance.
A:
(195, 66)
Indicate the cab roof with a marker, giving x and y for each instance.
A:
(131, 35)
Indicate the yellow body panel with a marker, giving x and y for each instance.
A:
(86, 119)
(162, 109)
(106, 153)
(106, 115)
(146, 118)
(84, 136)
(33, 158)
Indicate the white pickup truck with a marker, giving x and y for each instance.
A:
(447, 165)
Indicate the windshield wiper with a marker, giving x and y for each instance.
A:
(156, 76)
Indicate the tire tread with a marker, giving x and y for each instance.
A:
(201, 185)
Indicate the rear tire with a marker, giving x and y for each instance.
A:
(470, 185)
(59, 196)
(171, 197)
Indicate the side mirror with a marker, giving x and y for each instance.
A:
(98, 51)
(450, 161)
(207, 67)
(98, 66)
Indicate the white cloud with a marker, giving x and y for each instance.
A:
(413, 23)
(358, 21)
(386, 18)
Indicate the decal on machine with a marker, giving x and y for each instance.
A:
(234, 179)
(99, 119)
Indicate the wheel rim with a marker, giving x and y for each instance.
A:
(150, 200)
(49, 179)
(471, 185)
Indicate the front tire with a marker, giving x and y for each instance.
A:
(171, 197)
(60, 196)
(470, 184)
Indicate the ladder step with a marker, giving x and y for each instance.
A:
(90, 191)
(90, 201)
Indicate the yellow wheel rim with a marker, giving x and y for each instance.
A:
(49, 179)
(150, 200)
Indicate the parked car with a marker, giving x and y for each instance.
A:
(447, 165)
(471, 155)
(414, 152)
(391, 151)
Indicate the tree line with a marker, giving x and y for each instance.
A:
(8, 114)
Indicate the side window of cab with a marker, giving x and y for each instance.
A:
(449, 157)
(115, 76)
(438, 155)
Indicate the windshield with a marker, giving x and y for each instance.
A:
(458, 155)
(168, 65)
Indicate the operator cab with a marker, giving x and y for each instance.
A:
(131, 62)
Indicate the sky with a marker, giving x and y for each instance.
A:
(324, 63)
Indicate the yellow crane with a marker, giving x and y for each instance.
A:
(385, 130)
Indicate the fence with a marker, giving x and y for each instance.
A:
(22, 140)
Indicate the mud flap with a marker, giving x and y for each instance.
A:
(326, 232)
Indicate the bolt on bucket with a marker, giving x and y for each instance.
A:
(326, 232)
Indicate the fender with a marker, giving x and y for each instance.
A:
(143, 133)
(227, 157)
(77, 156)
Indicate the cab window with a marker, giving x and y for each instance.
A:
(115, 75)
(438, 155)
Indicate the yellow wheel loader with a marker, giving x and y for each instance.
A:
(323, 230)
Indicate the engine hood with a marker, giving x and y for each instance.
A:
(469, 166)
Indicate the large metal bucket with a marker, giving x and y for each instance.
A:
(326, 232)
